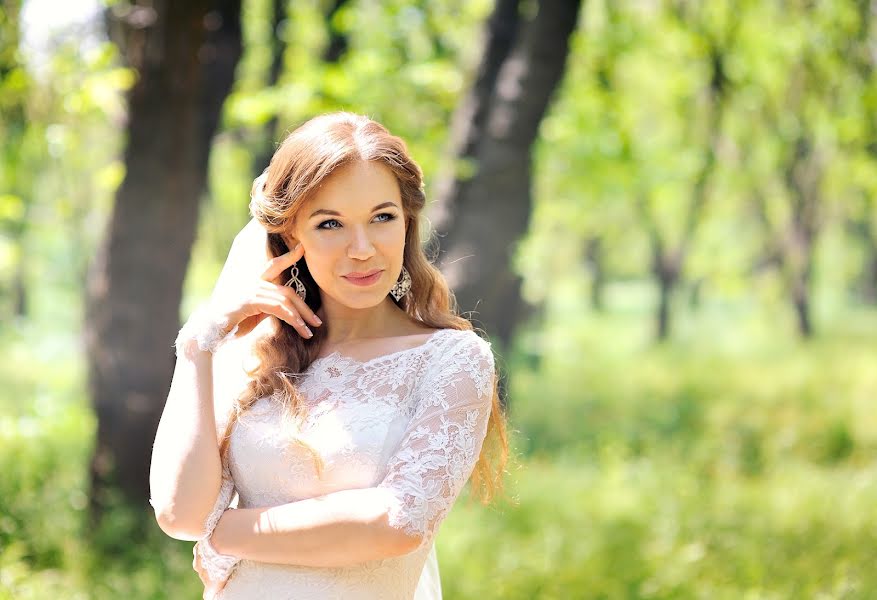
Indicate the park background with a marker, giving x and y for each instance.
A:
(661, 211)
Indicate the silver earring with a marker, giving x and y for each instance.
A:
(403, 284)
(295, 281)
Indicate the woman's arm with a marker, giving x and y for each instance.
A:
(403, 512)
(337, 529)
(185, 476)
(185, 473)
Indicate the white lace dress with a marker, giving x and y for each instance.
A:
(411, 422)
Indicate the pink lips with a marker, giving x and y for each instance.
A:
(370, 278)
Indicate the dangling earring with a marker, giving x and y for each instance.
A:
(294, 281)
(403, 284)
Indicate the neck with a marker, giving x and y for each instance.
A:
(347, 324)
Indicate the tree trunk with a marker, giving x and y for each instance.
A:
(864, 287)
(869, 274)
(480, 219)
(469, 119)
(864, 59)
(185, 54)
(338, 42)
(666, 287)
(803, 177)
(667, 268)
(19, 285)
(695, 293)
(801, 300)
(278, 48)
(594, 255)
(333, 53)
(14, 127)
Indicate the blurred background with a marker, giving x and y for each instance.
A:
(661, 211)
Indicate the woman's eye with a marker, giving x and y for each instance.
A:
(320, 226)
(390, 216)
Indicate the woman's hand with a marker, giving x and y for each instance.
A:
(211, 588)
(255, 299)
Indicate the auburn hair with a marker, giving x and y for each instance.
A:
(305, 158)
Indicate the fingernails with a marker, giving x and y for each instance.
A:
(308, 331)
(318, 320)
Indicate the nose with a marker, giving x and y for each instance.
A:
(361, 247)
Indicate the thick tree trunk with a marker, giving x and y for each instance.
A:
(185, 54)
(470, 118)
(480, 219)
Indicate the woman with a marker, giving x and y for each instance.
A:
(371, 402)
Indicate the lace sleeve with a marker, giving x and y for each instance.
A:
(218, 566)
(443, 440)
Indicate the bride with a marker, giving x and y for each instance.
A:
(328, 404)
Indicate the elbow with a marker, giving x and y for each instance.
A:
(406, 543)
(396, 538)
(179, 531)
(388, 542)
(178, 526)
(397, 541)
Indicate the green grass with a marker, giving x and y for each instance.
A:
(618, 526)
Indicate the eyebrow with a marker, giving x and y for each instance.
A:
(326, 211)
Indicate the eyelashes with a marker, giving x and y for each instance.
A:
(390, 217)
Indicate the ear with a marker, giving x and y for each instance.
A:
(290, 240)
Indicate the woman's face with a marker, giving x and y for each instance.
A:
(353, 224)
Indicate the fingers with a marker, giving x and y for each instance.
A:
(300, 305)
(277, 304)
(282, 301)
(278, 265)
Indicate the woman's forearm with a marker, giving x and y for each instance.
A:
(337, 529)
(185, 473)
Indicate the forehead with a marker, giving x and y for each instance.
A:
(354, 188)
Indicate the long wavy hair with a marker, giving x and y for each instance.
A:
(307, 156)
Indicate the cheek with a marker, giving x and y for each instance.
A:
(320, 252)
(393, 236)
(326, 244)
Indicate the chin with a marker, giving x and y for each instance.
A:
(364, 301)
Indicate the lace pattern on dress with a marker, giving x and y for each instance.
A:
(218, 566)
(444, 439)
(411, 421)
(203, 331)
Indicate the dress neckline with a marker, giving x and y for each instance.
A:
(337, 355)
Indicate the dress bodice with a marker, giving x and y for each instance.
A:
(411, 422)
